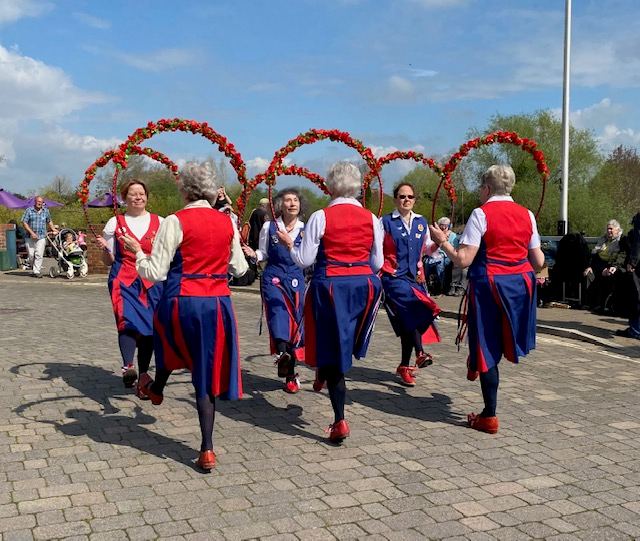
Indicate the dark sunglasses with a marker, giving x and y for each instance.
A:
(406, 196)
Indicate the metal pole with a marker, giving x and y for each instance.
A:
(563, 224)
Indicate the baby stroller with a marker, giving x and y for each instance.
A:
(71, 259)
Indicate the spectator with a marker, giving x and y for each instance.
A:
(632, 262)
(436, 264)
(605, 264)
(35, 220)
(258, 217)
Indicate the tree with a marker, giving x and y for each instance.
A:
(619, 182)
(61, 189)
(585, 160)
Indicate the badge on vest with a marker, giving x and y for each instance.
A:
(275, 280)
(294, 282)
(420, 227)
(418, 235)
(274, 238)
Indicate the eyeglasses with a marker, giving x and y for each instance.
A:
(406, 196)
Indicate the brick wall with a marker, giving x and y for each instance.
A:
(94, 253)
(3, 236)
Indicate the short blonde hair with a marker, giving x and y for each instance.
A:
(500, 178)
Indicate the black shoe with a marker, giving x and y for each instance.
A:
(285, 363)
(627, 334)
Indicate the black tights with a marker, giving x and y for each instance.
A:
(206, 415)
(281, 347)
(128, 341)
(489, 382)
(337, 389)
(410, 340)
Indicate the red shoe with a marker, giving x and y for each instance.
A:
(317, 384)
(292, 386)
(144, 391)
(206, 460)
(486, 424)
(471, 375)
(143, 380)
(406, 375)
(129, 376)
(338, 431)
(423, 360)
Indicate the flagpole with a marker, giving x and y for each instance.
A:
(563, 223)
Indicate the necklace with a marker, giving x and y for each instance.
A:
(289, 229)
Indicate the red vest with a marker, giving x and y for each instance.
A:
(507, 237)
(347, 240)
(128, 273)
(204, 252)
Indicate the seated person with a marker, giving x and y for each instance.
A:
(69, 243)
(82, 240)
(437, 263)
(605, 265)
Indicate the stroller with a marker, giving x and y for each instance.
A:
(71, 259)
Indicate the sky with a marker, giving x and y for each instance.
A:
(79, 76)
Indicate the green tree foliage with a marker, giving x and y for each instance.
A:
(619, 182)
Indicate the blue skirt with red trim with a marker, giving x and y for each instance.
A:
(409, 307)
(339, 316)
(200, 333)
(501, 318)
(283, 306)
(134, 305)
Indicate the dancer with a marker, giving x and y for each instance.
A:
(195, 325)
(345, 242)
(501, 247)
(134, 299)
(410, 308)
(282, 284)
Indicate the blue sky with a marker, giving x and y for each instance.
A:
(78, 76)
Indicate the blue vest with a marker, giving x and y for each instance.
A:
(408, 244)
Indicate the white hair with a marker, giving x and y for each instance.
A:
(444, 220)
(500, 179)
(198, 181)
(344, 180)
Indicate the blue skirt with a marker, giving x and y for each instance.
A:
(501, 318)
(200, 333)
(134, 305)
(339, 316)
(283, 306)
(408, 305)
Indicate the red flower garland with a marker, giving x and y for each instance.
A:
(529, 145)
(115, 155)
(418, 157)
(276, 166)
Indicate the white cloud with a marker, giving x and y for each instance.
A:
(13, 10)
(258, 164)
(400, 88)
(91, 21)
(58, 138)
(435, 4)
(161, 60)
(420, 72)
(612, 136)
(35, 91)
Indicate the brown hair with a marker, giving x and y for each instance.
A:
(124, 190)
(402, 184)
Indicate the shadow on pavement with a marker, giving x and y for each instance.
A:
(106, 427)
(396, 401)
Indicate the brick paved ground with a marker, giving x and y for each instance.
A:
(82, 458)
